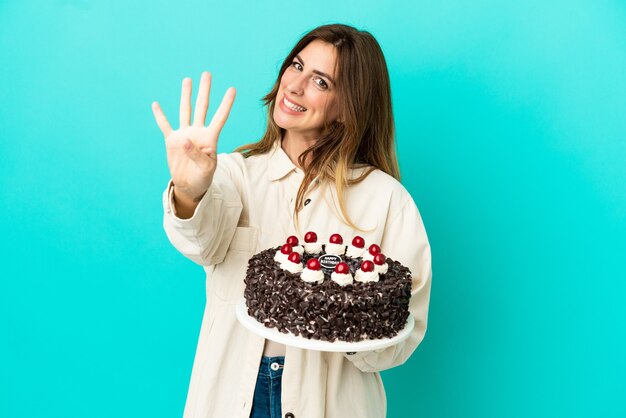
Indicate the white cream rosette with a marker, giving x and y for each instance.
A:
(335, 249)
(313, 247)
(354, 252)
(291, 267)
(366, 276)
(382, 269)
(341, 279)
(312, 276)
(280, 257)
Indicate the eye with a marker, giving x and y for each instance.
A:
(297, 65)
(322, 83)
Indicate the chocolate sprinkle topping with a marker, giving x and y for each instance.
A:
(327, 311)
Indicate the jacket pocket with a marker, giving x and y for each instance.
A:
(229, 274)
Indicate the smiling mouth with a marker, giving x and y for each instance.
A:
(293, 106)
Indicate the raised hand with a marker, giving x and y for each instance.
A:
(192, 149)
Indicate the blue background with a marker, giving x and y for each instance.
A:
(511, 120)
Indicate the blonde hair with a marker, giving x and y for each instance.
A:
(365, 136)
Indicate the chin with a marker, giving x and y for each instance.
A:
(279, 122)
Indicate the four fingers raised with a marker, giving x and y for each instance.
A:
(202, 105)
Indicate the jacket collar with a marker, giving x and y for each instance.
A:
(279, 163)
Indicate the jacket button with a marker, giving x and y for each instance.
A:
(306, 202)
(289, 415)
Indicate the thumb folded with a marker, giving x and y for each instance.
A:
(194, 153)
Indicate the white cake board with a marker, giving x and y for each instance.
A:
(300, 342)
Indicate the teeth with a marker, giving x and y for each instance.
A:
(293, 106)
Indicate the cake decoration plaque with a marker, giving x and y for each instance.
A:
(328, 262)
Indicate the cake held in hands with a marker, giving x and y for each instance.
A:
(328, 291)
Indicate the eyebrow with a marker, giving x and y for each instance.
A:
(316, 71)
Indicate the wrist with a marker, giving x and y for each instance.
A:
(186, 196)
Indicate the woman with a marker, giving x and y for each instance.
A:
(326, 163)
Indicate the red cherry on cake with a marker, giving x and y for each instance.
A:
(310, 237)
(342, 268)
(292, 240)
(379, 259)
(358, 242)
(313, 264)
(367, 266)
(294, 257)
(335, 239)
(286, 249)
(374, 249)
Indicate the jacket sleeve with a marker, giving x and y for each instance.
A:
(205, 237)
(404, 240)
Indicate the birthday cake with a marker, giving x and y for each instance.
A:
(328, 291)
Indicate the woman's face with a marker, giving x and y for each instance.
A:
(306, 96)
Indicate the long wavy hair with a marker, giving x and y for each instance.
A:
(364, 136)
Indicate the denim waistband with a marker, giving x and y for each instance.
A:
(269, 360)
(272, 366)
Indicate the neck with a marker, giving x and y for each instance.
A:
(295, 144)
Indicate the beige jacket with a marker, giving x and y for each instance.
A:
(248, 208)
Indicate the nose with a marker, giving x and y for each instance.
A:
(295, 86)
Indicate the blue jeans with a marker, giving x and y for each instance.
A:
(266, 403)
